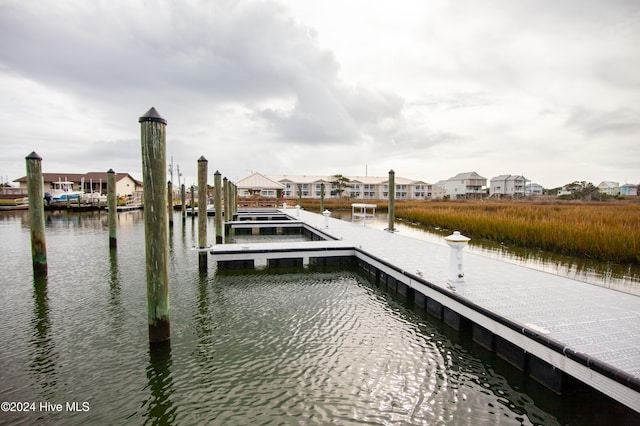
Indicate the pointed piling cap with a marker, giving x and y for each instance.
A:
(217, 173)
(391, 172)
(33, 156)
(201, 159)
(110, 171)
(152, 115)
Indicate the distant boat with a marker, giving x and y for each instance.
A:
(62, 191)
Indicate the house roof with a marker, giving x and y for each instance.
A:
(467, 175)
(366, 180)
(258, 180)
(77, 177)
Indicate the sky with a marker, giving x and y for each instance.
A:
(429, 88)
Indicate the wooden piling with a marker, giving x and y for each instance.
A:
(321, 197)
(193, 201)
(202, 211)
(170, 203)
(35, 188)
(154, 172)
(183, 206)
(112, 209)
(217, 202)
(392, 200)
(225, 197)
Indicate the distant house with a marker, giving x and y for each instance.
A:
(258, 185)
(465, 185)
(89, 182)
(629, 189)
(609, 188)
(509, 186)
(533, 189)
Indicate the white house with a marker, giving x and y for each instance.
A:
(258, 184)
(609, 188)
(126, 185)
(507, 186)
(465, 185)
(533, 189)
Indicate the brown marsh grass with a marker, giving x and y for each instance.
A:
(607, 231)
(601, 231)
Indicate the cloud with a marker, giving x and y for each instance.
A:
(621, 122)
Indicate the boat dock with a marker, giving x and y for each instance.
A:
(546, 325)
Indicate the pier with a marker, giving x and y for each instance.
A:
(547, 326)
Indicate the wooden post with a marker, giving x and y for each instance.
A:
(183, 200)
(321, 197)
(111, 204)
(202, 211)
(35, 192)
(225, 197)
(193, 201)
(392, 200)
(154, 175)
(217, 202)
(170, 203)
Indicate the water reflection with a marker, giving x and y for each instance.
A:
(159, 406)
(43, 354)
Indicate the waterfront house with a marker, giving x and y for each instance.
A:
(629, 189)
(126, 185)
(508, 186)
(259, 185)
(533, 189)
(467, 185)
(609, 188)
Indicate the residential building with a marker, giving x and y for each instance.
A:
(609, 188)
(629, 189)
(259, 185)
(126, 185)
(465, 185)
(356, 187)
(509, 186)
(533, 189)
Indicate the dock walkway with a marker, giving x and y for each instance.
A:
(594, 331)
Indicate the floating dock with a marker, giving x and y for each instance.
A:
(545, 325)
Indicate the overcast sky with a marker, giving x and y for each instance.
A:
(430, 88)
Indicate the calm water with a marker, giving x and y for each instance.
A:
(279, 348)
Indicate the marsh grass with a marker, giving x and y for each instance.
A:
(601, 231)
(607, 231)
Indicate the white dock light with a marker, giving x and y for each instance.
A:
(326, 215)
(457, 242)
(298, 210)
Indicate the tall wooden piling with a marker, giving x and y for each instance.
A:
(154, 174)
(111, 204)
(392, 200)
(183, 205)
(35, 188)
(321, 197)
(225, 197)
(193, 201)
(217, 202)
(170, 203)
(203, 165)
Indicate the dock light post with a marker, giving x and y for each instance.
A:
(217, 202)
(111, 203)
(35, 192)
(326, 215)
(392, 200)
(457, 242)
(203, 165)
(154, 173)
(297, 210)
